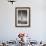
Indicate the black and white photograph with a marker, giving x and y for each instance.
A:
(22, 17)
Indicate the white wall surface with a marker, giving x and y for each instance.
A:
(37, 31)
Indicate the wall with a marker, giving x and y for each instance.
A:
(37, 31)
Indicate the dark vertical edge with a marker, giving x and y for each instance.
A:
(15, 17)
(29, 17)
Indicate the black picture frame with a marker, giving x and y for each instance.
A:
(20, 14)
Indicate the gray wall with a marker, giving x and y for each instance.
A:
(37, 31)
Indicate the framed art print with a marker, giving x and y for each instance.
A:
(22, 17)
